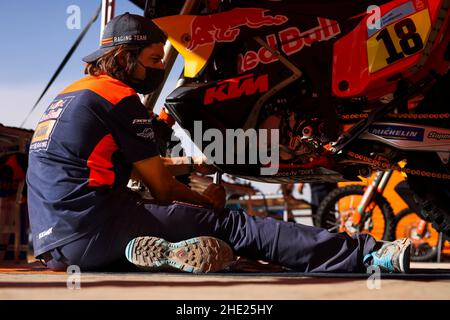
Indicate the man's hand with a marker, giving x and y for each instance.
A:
(163, 186)
(201, 166)
(216, 194)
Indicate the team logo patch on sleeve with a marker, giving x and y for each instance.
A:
(147, 133)
(47, 123)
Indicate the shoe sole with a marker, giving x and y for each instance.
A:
(405, 255)
(196, 255)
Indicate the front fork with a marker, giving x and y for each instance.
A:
(367, 203)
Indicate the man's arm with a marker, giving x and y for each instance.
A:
(164, 187)
(178, 166)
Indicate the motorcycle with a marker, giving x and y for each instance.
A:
(351, 87)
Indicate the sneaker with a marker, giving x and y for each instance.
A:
(196, 255)
(391, 257)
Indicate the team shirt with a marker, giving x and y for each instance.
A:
(81, 158)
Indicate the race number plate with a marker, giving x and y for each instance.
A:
(398, 40)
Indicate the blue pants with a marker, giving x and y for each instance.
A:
(299, 247)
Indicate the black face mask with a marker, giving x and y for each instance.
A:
(153, 79)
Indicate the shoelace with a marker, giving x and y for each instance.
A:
(384, 261)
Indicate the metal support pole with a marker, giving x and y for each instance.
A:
(170, 55)
(286, 212)
(440, 246)
(107, 14)
(217, 179)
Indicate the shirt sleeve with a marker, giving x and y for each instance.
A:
(132, 128)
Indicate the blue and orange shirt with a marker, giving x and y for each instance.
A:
(81, 158)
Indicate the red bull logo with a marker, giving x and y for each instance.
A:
(292, 40)
(225, 27)
(57, 104)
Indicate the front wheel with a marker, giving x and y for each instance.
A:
(432, 196)
(339, 209)
(424, 244)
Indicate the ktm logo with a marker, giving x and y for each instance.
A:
(236, 87)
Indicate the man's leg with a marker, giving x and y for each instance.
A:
(296, 246)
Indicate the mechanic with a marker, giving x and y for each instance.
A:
(96, 133)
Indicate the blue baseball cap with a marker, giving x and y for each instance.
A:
(127, 29)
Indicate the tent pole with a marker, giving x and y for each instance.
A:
(170, 55)
(107, 14)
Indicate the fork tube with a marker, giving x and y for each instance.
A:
(370, 192)
(422, 227)
(384, 181)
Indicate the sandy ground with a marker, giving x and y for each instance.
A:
(47, 285)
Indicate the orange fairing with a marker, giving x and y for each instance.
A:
(367, 58)
(195, 36)
(178, 29)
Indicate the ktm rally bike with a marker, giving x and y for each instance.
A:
(358, 209)
(352, 87)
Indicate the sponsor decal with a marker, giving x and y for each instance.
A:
(129, 37)
(438, 135)
(292, 40)
(420, 4)
(236, 87)
(45, 233)
(225, 27)
(56, 104)
(48, 122)
(142, 121)
(52, 114)
(392, 16)
(147, 133)
(404, 36)
(398, 132)
(43, 131)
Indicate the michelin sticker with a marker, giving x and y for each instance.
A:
(398, 132)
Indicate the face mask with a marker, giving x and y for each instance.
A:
(153, 79)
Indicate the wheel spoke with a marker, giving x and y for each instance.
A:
(332, 222)
(334, 210)
(334, 228)
(351, 201)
